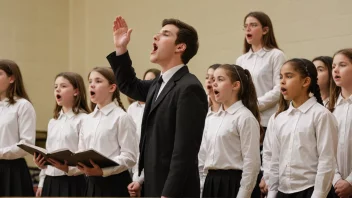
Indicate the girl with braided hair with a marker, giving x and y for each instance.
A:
(304, 136)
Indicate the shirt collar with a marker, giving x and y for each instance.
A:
(69, 114)
(260, 53)
(4, 102)
(169, 73)
(139, 105)
(341, 100)
(232, 109)
(106, 109)
(210, 112)
(304, 107)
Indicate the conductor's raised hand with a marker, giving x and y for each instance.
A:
(121, 34)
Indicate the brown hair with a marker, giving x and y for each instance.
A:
(306, 69)
(214, 67)
(269, 41)
(187, 35)
(109, 75)
(327, 60)
(247, 92)
(335, 90)
(156, 72)
(16, 89)
(80, 101)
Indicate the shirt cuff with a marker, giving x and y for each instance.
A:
(41, 183)
(272, 194)
(337, 177)
(139, 179)
(266, 179)
(349, 179)
(107, 171)
(135, 176)
(73, 171)
(243, 193)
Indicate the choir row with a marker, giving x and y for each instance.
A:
(296, 111)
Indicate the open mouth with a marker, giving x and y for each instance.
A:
(209, 87)
(283, 90)
(92, 93)
(155, 47)
(216, 92)
(249, 36)
(337, 77)
(58, 97)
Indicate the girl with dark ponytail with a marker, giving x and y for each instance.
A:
(110, 131)
(231, 137)
(304, 136)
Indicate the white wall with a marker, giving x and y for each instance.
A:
(49, 36)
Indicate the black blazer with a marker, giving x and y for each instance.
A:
(172, 129)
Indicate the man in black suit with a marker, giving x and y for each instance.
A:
(175, 109)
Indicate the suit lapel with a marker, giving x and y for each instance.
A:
(168, 87)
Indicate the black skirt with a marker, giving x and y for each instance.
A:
(332, 193)
(112, 186)
(307, 193)
(222, 183)
(64, 186)
(256, 191)
(15, 179)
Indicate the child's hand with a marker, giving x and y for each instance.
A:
(95, 171)
(39, 160)
(39, 192)
(58, 165)
(263, 187)
(343, 188)
(134, 189)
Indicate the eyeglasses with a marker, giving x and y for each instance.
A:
(251, 25)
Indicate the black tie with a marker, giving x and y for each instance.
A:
(158, 85)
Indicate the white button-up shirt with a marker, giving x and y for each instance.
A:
(17, 125)
(202, 153)
(343, 114)
(264, 66)
(136, 110)
(303, 150)
(269, 135)
(63, 133)
(111, 132)
(231, 141)
(168, 75)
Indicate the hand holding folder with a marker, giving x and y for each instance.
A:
(70, 157)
